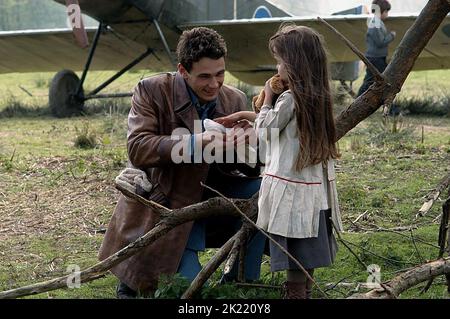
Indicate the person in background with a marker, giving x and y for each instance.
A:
(377, 40)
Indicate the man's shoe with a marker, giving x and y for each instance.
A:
(125, 292)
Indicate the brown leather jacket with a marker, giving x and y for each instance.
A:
(160, 104)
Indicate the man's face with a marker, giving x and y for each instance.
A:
(384, 15)
(205, 78)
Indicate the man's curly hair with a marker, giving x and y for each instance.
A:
(200, 43)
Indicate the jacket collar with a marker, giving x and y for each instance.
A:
(182, 104)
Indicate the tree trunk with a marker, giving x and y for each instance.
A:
(412, 44)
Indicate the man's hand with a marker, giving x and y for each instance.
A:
(242, 133)
(210, 137)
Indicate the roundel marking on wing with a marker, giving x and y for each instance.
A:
(262, 12)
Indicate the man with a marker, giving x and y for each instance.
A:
(160, 105)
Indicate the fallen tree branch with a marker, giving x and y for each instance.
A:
(349, 249)
(408, 280)
(241, 263)
(212, 207)
(433, 196)
(360, 216)
(378, 256)
(162, 211)
(234, 252)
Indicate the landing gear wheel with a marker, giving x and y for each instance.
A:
(62, 99)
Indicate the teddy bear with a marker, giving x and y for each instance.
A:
(278, 87)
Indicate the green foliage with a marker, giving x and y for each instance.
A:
(6, 163)
(15, 108)
(173, 287)
(41, 82)
(391, 131)
(356, 143)
(85, 138)
(425, 105)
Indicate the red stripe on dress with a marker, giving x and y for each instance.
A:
(288, 180)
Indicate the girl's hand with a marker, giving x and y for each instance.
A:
(232, 120)
(268, 92)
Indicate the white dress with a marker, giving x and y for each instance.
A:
(290, 201)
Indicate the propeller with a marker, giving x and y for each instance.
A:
(76, 21)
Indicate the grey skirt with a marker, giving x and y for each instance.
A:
(312, 253)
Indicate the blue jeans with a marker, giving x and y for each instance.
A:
(213, 232)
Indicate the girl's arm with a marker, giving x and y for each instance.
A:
(232, 119)
(277, 117)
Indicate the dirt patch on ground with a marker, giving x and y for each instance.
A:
(436, 129)
(32, 204)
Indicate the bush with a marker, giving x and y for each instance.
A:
(85, 139)
(14, 108)
(391, 131)
(425, 106)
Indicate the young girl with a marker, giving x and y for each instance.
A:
(298, 200)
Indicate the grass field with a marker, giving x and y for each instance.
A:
(56, 199)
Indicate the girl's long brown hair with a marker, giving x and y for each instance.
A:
(303, 53)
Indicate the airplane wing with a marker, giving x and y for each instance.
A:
(48, 50)
(249, 58)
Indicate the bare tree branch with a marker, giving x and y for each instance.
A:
(408, 280)
(378, 76)
(212, 207)
(443, 232)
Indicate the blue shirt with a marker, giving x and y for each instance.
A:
(196, 239)
(204, 111)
